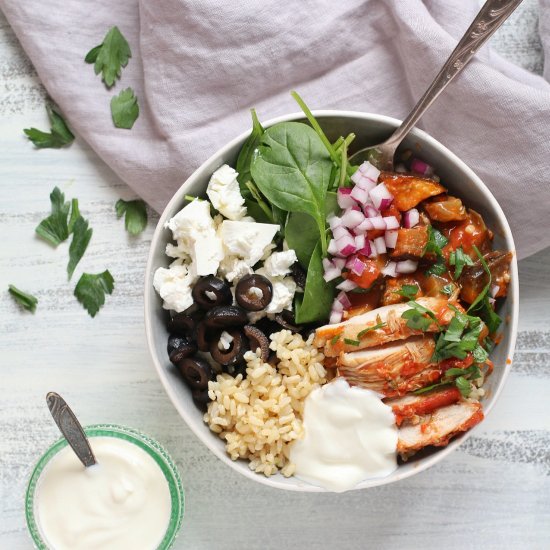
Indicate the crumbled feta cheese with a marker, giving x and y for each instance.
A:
(224, 193)
(278, 264)
(174, 287)
(246, 240)
(225, 341)
(232, 269)
(255, 292)
(195, 232)
(283, 294)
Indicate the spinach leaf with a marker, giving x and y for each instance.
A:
(314, 305)
(247, 152)
(292, 169)
(302, 234)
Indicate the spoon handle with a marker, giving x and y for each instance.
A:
(488, 20)
(70, 427)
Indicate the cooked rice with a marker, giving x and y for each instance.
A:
(259, 417)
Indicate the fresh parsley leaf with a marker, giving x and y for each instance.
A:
(407, 291)
(419, 317)
(459, 259)
(91, 289)
(369, 329)
(481, 296)
(436, 241)
(351, 342)
(110, 56)
(54, 229)
(124, 109)
(448, 289)
(334, 339)
(26, 301)
(456, 376)
(463, 386)
(59, 134)
(135, 215)
(439, 268)
(486, 312)
(75, 213)
(480, 355)
(81, 239)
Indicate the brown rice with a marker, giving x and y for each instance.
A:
(259, 417)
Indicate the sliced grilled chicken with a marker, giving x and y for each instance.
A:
(411, 406)
(333, 337)
(438, 428)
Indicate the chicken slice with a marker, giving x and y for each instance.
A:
(333, 337)
(411, 406)
(438, 429)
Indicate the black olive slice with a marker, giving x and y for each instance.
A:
(299, 275)
(174, 342)
(201, 399)
(225, 316)
(286, 320)
(254, 292)
(210, 292)
(182, 324)
(196, 372)
(234, 353)
(257, 340)
(234, 370)
(186, 348)
(205, 335)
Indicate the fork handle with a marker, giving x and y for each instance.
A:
(488, 20)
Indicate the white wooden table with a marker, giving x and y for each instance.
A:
(493, 493)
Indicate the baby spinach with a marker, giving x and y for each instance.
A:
(315, 303)
(247, 152)
(292, 170)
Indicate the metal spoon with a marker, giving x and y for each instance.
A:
(488, 20)
(70, 427)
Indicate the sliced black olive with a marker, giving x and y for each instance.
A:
(239, 368)
(225, 316)
(299, 275)
(205, 335)
(254, 292)
(210, 292)
(235, 353)
(196, 372)
(174, 342)
(286, 320)
(186, 348)
(257, 340)
(201, 399)
(182, 324)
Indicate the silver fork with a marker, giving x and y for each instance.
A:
(488, 20)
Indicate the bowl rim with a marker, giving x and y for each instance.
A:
(149, 445)
(205, 435)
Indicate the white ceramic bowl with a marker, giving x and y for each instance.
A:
(369, 129)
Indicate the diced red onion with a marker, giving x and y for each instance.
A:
(379, 195)
(385, 204)
(369, 171)
(358, 194)
(421, 167)
(373, 251)
(344, 198)
(391, 222)
(366, 250)
(339, 262)
(391, 238)
(332, 247)
(340, 232)
(335, 317)
(352, 218)
(330, 270)
(342, 298)
(411, 218)
(346, 246)
(360, 242)
(365, 225)
(495, 290)
(334, 222)
(406, 266)
(389, 270)
(358, 267)
(378, 222)
(366, 184)
(370, 211)
(346, 285)
(380, 245)
(337, 306)
(491, 301)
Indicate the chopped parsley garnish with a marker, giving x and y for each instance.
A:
(58, 136)
(436, 242)
(459, 377)
(369, 329)
(91, 289)
(26, 301)
(334, 339)
(448, 289)
(81, 238)
(419, 317)
(459, 259)
(55, 229)
(351, 342)
(407, 291)
(110, 56)
(439, 268)
(135, 215)
(75, 214)
(124, 109)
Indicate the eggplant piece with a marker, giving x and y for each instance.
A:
(408, 190)
(410, 243)
(449, 209)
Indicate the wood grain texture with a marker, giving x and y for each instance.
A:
(493, 493)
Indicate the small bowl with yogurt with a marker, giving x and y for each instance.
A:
(132, 498)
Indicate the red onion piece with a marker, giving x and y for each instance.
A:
(391, 222)
(344, 198)
(411, 218)
(380, 245)
(390, 237)
(333, 247)
(335, 317)
(373, 251)
(370, 211)
(381, 197)
(378, 222)
(358, 267)
(340, 232)
(330, 270)
(346, 246)
(369, 171)
(346, 285)
(494, 290)
(343, 299)
(406, 266)
(352, 218)
(367, 249)
(365, 225)
(389, 270)
(358, 194)
(334, 222)
(360, 242)
(339, 262)
(421, 167)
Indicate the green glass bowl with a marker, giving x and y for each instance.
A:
(149, 445)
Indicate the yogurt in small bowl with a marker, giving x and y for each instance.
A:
(132, 498)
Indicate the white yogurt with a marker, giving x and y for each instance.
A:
(122, 502)
(350, 436)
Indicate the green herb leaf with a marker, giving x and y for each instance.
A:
(110, 56)
(54, 229)
(59, 134)
(79, 243)
(451, 376)
(351, 342)
(124, 109)
(75, 214)
(439, 268)
(244, 160)
(436, 242)
(481, 296)
(362, 333)
(334, 339)
(407, 291)
(459, 259)
(316, 301)
(292, 170)
(419, 317)
(91, 289)
(463, 385)
(26, 301)
(480, 355)
(448, 289)
(135, 215)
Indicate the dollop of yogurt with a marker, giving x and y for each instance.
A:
(122, 502)
(350, 436)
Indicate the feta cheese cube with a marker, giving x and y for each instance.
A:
(247, 241)
(174, 286)
(278, 264)
(224, 193)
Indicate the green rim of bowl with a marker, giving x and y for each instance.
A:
(149, 445)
